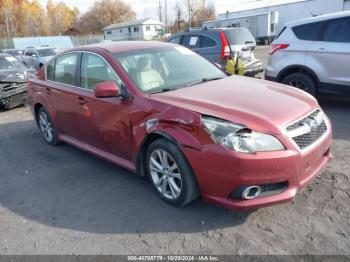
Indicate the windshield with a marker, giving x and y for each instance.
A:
(10, 62)
(157, 70)
(48, 52)
(239, 36)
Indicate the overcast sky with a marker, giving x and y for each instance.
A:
(149, 8)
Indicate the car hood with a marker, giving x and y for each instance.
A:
(13, 75)
(257, 104)
(45, 59)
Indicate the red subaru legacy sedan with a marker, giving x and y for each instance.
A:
(163, 112)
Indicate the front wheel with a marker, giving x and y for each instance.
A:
(170, 174)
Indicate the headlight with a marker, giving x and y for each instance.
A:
(239, 138)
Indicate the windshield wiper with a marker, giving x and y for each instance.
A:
(163, 90)
(203, 80)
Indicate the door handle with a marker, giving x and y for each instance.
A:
(48, 91)
(81, 100)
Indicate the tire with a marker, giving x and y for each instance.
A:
(177, 171)
(301, 81)
(46, 127)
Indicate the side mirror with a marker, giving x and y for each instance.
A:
(107, 89)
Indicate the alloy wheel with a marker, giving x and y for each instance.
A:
(298, 84)
(165, 174)
(46, 126)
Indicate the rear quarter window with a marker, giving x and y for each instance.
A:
(309, 32)
(50, 69)
(206, 42)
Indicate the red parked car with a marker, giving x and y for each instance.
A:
(162, 111)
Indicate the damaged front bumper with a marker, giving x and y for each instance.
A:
(12, 94)
(252, 68)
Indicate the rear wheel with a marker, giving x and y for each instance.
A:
(301, 81)
(47, 128)
(170, 174)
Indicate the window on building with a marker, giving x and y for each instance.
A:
(310, 32)
(136, 29)
(148, 28)
(109, 32)
(337, 31)
(121, 30)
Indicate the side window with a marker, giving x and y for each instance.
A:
(95, 70)
(337, 31)
(65, 69)
(50, 69)
(175, 40)
(206, 42)
(310, 32)
(191, 41)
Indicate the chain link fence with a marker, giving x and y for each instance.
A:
(86, 40)
(6, 43)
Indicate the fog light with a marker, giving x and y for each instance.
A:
(251, 192)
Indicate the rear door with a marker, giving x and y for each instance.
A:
(61, 91)
(104, 122)
(204, 45)
(329, 56)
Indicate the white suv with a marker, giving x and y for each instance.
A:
(313, 54)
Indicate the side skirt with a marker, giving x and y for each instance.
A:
(99, 153)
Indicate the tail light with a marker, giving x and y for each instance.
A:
(276, 47)
(225, 49)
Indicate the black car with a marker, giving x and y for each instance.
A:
(13, 79)
(219, 44)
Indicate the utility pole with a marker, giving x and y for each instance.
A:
(189, 13)
(166, 16)
(178, 19)
(160, 12)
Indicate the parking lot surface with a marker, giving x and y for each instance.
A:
(60, 200)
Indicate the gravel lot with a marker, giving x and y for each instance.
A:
(59, 200)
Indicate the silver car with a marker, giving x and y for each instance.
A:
(37, 57)
(314, 55)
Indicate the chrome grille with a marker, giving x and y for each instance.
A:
(308, 139)
(308, 130)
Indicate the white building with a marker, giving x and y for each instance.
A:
(143, 29)
(264, 18)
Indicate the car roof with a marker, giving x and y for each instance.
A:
(208, 30)
(319, 18)
(124, 46)
(40, 47)
(11, 49)
(2, 55)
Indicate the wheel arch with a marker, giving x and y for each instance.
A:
(299, 69)
(37, 107)
(147, 141)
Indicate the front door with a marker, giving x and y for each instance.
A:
(104, 122)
